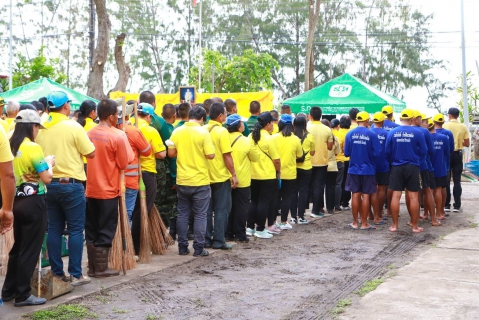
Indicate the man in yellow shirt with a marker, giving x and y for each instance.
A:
(13, 107)
(191, 145)
(68, 142)
(323, 138)
(353, 112)
(275, 115)
(222, 179)
(148, 168)
(8, 185)
(461, 139)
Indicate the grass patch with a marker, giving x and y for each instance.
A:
(341, 307)
(369, 286)
(441, 237)
(120, 311)
(391, 267)
(63, 312)
(151, 317)
(473, 225)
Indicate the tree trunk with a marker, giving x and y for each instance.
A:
(309, 61)
(95, 81)
(124, 70)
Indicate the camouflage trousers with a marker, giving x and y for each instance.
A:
(166, 200)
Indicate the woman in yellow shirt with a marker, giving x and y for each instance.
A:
(332, 171)
(86, 117)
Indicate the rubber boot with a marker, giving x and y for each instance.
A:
(101, 263)
(91, 259)
(173, 228)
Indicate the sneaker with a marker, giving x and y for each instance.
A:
(79, 281)
(276, 225)
(321, 211)
(316, 215)
(249, 232)
(337, 210)
(285, 226)
(457, 210)
(447, 209)
(346, 208)
(302, 221)
(294, 221)
(330, 213)
(271, 230)
(265, 234)
(30, 301)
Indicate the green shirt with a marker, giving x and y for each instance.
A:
(182, 122)
(251, 122)
(246, 131)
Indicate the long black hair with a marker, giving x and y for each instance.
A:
(86, 108)
(22, 131)
(300, 126)
(286, 129)
(263, 120)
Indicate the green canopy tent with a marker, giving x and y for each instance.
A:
(41, 88)
(343, 93)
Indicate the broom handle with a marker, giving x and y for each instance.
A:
(39, 274)
(123, 195)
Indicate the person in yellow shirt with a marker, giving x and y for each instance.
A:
(86, 116)
(304, 170)
(264, 183)
(222, 179)
(353, 112)
(461, 139)
(332, 172)
(7, 183)
(13, 107)
(275, 115)
(244, 153)
(192, 146)
(342, 197)
(289, 148)
(148, 168)
(323, 138)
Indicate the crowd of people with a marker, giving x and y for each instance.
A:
(214, 177)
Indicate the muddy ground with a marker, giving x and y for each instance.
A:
(301, 274)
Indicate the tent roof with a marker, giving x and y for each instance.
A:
(41, 88)
(342, 93)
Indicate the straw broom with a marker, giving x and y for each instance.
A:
(7, 244)
(160, 238)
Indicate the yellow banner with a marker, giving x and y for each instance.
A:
(265, 98)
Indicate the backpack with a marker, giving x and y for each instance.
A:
(303, 157)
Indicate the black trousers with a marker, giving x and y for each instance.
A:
(286, 194)
(262, 199)
(318, 181)
(239, 213)
(346, 195)
(299, 201)
(101, 221)
(275, 204)
(30, 221)
(149, 180)
(456, 171)
(330, 189)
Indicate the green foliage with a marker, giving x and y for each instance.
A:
(369, 286)
(341, 307)
(472, 95)
(246, 73)
(63, 312)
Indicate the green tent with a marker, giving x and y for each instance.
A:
(343, 93)
(41, 88)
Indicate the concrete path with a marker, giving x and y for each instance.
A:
(442, 283)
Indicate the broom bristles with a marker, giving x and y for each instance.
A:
(160, 238)
(145, 244)
(116, 253)
(7, 244)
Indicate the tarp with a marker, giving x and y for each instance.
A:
(41, 88)
(343, 93)
(243, 99)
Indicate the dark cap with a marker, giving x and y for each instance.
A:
(453, 112)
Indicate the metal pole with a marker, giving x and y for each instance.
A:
(10, 58)
(199, 57)
(465, 111)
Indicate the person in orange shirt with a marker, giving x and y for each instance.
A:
(113, 153)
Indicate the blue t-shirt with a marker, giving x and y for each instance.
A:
(382, 164)
(423, 161)
(389, 125)
(363, 147)
(450, 137)
(405, 145)
(441, 146)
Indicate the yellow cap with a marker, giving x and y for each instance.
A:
(387, 110)
(379, 117)
(430, 123)
(407, 114)
(362, 116)
(416, 113)
(439, 118)
(425, 116)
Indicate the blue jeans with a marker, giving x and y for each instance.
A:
(66, 203)
(192, 200)
(220, 204)
(130, 199)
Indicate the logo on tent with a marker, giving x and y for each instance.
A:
(340, 91)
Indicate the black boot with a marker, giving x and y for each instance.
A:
(173, 228)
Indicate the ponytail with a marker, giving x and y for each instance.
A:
(86, 108)
(257, 132)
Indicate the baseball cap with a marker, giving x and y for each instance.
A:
(430, 123)
(146, 108)
(453, 112)
(128, 108)
(286, 119)
(425, 116)
(233, 120)
(379, 117)
(407, 114)
(416, 113)
(29, 116)
(438, 118)
(2, 102)
(387, 110)
(362, 116)
(57, 99)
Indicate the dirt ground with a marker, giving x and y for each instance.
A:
(301, 274)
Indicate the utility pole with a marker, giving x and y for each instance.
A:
(91, 32)
(199, 43)
(10, 57)
(465, 111)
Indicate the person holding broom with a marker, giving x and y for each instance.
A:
(103, 188)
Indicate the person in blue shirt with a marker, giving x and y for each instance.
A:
(438, 123)
(405, 145)
(362, 146)
(442, 152)
(389, 124)
(382, 170)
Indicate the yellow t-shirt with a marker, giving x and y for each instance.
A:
(308, 145)
(193, 144)
(341, 135)
(353, 125)
(153, 137)
(322, 135)
(68, 142)
(221, 140)
(333, 164)
(89, 124)
(275, 128)
(459, 131)
(289, 149)
(11, 122)
(264, 168)
(29, 160)
(5, 125)
(244, 152)
(5, 152)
